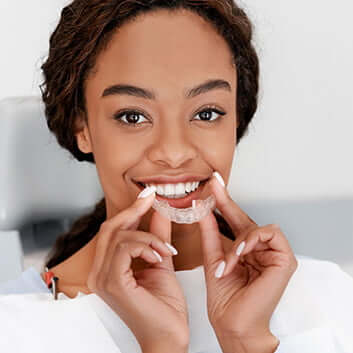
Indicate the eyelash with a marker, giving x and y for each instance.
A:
(118, 116)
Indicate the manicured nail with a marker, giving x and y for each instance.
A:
(158, 256)
(240, 248)
(219, 178)
(218, 211)
(220, 269)
(147, 191)
(171, 248)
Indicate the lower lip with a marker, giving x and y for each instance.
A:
(182, 202)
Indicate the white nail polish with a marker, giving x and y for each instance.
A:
(220, 269)
(158, 256)
(172, 248)
(240, 248)
(219, 178)
(147, 191)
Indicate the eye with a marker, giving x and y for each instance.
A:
(131, 118)
(206, 114)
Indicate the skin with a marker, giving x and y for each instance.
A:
(151, 53)
(168, 57)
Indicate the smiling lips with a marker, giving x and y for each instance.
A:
(171, 179)
(179, 194)
(175, 190)
(173, 186)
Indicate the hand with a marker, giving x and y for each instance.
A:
(150, 301)
(241, 302)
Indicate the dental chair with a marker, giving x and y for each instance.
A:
(39, 180)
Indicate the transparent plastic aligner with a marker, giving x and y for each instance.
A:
(199, 209)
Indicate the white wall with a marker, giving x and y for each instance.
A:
(299, 142)
(25, 27)
(301, 138)
(299, 147)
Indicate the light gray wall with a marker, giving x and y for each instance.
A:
(295, 166)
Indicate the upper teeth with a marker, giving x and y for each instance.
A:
(175, 189)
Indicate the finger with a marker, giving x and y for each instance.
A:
(260, 240)
(129, 217)
(212, 248)
(277, 264)
(149, 239)
(251, 259)
(238, 220)
(120, 270)
(162, 228)
(236, 253)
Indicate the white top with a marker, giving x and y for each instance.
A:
(314, 314)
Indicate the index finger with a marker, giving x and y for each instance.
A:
(129, 218)
(162, 227)
(238, 219)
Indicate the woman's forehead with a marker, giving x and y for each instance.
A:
(161, 46)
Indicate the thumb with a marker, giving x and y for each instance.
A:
(162, 227)
(211, 244)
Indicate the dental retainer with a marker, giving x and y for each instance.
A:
(199, 209)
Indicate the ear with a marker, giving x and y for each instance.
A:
(82, 134)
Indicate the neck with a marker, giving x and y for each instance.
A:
(73, 272)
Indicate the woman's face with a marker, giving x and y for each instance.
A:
(167, 55)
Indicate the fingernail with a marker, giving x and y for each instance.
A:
(147, 191)
(220, 269)
(240, 248)
(219, 178)
(171, 248)
(218, 211)
(158, 256)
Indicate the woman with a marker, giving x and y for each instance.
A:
(156, 93)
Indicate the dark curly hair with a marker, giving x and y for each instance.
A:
(84, 30)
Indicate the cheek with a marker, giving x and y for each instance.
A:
(115, 155)
(126, 152)
(219, 155)
(119, 155)
(218, 149)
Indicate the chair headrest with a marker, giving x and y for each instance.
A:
(39, 180)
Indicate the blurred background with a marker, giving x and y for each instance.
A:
(293, 168)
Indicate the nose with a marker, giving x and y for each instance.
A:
(172, 147)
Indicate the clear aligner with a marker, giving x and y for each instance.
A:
(199, 209)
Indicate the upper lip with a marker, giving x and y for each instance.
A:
(168, 179)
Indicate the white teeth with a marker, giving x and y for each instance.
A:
(180, 188)
(160, 189)
(173, 190)
(169, 189)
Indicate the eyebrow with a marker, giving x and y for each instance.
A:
(147, 94)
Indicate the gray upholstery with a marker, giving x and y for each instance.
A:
(39, 180)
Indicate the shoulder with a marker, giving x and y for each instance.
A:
(317, 275)
(320, 273)
(318, 292)
(309, 265)
(316, 305)
(29, 281)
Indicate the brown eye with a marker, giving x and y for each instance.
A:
(206, 115)
(131, 118)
